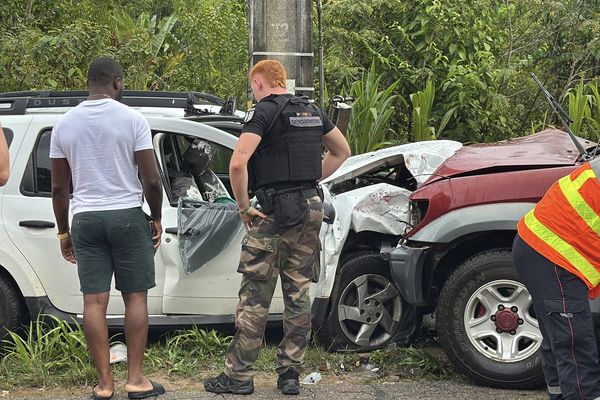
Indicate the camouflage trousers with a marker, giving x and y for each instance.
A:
(267, 253)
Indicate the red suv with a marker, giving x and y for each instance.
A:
(456, 258)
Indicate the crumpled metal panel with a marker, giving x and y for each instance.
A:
(380, 207)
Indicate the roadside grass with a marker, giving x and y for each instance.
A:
(49, 352)
(52, 353)
(414, 362)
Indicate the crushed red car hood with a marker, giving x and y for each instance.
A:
(548, 148)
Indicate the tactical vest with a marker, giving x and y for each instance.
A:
(564, 226)
(293, 154)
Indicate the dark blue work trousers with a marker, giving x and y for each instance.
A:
(560, 300)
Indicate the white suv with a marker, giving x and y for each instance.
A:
(355, 303)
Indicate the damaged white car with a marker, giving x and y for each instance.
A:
(359, 305)
(355, 303)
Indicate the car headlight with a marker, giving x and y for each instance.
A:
(416, 212)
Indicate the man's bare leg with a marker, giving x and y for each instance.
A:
(96, 335)
(136, 335)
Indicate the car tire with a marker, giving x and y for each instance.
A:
(379, 318)
(486, 323)
(12, 309)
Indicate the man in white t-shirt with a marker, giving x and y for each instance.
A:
(101, 145)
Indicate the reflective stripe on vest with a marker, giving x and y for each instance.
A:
(569, 189)
(562, 247)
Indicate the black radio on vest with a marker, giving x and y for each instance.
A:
(292, 155)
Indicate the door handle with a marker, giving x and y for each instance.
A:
(171, 230)
(37, 224)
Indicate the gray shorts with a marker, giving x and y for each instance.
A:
(114, 241)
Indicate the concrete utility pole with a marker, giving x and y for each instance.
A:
(282, 30)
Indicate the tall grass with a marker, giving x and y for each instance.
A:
(422, 102)
(187, 351)
(371, 112)
(200, 343)
(594, 118)
(53, 352)
(49, 351)
(579, 106)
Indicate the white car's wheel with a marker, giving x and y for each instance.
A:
(367, 310)
(12, 309)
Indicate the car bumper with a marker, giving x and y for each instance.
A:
(406, 265)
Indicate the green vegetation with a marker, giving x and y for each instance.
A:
(368, 127)
(463, 64)
(51, 353)
(478, 52)
(47, 353)
(163, 45)
(414, 361)
(584, 108)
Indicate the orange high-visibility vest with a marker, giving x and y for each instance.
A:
(564, 226)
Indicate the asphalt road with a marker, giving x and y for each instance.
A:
(403, 390)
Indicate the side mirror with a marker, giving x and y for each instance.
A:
(229, 106)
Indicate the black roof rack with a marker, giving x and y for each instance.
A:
(16, 103)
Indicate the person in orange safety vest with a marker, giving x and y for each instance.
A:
(557, 256)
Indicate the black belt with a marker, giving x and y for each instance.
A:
(308, 193)
(308, 189)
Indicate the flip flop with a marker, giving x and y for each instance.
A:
(96, 397)
(157, 389)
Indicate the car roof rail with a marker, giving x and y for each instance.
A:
(17, 103)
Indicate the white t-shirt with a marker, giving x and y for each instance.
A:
(98, 138)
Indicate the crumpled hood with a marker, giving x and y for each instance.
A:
(548, 148)
(379, 207)
(421, 159)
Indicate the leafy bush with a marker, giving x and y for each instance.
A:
(371, 111)
(594, 118)
(422, 102)
(478, 53)
(579, 106)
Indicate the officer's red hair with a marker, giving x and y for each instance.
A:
(272, 71)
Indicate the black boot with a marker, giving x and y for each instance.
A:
(224, 384)
(288, 383)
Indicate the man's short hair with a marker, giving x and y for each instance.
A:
(272, 70)
(103, 71)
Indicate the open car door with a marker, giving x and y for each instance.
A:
(203, 233)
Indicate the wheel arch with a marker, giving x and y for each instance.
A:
(23, 276)
(365, 241)
(462, 222)
(23, 279)
(459, 251)
(5, 275)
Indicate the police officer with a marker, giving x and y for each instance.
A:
(557, 256)
(277, 157)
